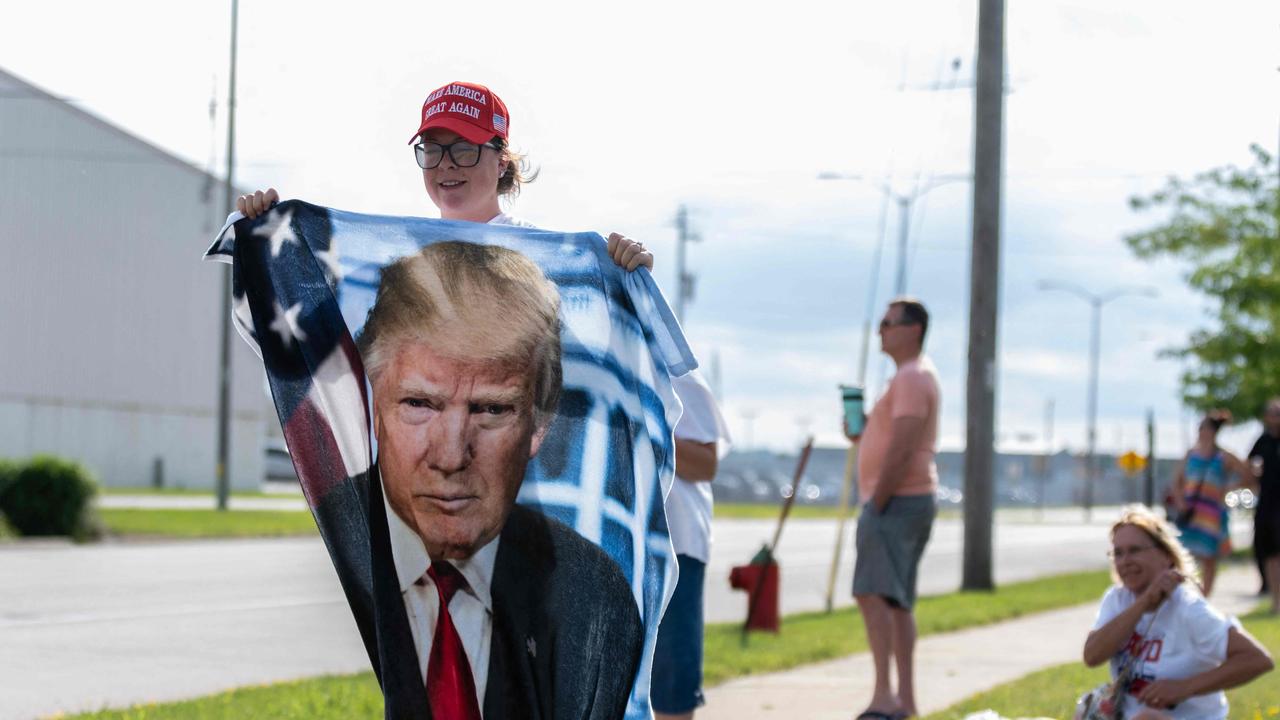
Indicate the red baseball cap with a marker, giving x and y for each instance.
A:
(470, 110)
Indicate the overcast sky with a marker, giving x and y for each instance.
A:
(629, 111)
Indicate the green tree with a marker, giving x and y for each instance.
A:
(1225, 224)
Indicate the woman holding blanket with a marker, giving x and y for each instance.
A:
(1171, 653)
(468, 164)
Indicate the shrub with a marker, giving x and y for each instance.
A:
(48, 496)
(8, 469)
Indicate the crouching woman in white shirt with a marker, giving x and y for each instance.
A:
(1172, 654)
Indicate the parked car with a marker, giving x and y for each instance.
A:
(1243, 499)
(950, 496)
(278, 463)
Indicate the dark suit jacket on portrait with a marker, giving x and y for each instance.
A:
(567, 636)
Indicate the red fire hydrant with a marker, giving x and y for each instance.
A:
(760, 580)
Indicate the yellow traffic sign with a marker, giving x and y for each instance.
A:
(1131, 463)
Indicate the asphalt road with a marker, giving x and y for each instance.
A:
(108, 625)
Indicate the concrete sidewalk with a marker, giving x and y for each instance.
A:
(949, 667)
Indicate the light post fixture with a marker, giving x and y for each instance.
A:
(904, 201)
(1096, 302)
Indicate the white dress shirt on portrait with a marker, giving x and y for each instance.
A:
(471, 608)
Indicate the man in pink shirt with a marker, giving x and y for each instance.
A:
(897, 481)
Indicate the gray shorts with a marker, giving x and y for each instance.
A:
(888, 547)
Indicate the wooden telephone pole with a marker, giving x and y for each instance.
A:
(984, 285)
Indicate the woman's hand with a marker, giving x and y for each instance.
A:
(1164, 694)
(627, 253)
(259, 202)
(1160, 588)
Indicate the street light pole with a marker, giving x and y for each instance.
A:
(905, 202)
(1095, 341)
(684, 279)
(222, 479)
(1095, 350)
(904, 221)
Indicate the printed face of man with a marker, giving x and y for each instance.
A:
(454, 437)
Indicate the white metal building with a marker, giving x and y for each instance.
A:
(108, 317)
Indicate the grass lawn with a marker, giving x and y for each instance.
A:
(193, 492)
(805, 638)
(250, 523)
(326, 698)
(206, 523)
(1053, 692)
(811, 637)
(182, 523)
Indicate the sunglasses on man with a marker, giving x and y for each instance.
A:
(886, 323)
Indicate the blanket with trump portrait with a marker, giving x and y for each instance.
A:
(481, 420)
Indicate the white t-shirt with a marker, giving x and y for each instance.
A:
(689, 504)
(1187, 637)
(504, 219)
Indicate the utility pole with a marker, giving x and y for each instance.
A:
(224, 347)
(1048, 454)
(905, 202)
(684, 279)
(984, 284)
(1095, 349)
(904, 222)
(1149, 474)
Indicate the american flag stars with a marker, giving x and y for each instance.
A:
(285, 324)
(329, 260)
(278, 229)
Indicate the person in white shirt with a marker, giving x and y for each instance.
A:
(1171, 653)
(702, 438)
(468, 167)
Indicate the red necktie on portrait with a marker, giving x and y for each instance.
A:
(450, 688)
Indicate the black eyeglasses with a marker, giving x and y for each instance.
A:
(463, 153)
(1118, 554)
(886, 323)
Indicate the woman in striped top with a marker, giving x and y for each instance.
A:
(1200, 490)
